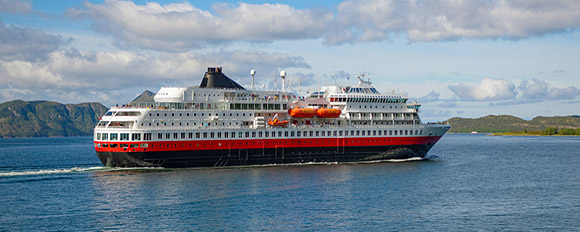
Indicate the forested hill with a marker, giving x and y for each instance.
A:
(507, 123)
(43, 118)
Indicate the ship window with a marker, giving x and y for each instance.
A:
(317, 133)
(334, 133)
(113, 145)
(219, 134)
(379, 132)
(363, 133)
(311, 133)
(406, 132)
(324, 133)
(298, 133)
(233, 134)
(136, 137)
(190, 135)
(240, 134)
(292, 133)
(211, 135)
(105, 145)
(266, 134)
(401, 132)
(260, 134)
(113, 136)
(411, 132)
(105, 136)
(395, 132)
(357, 133)
(204, 135)
(98, 137)
(340, 133)
(279, 133)
(273, 134)
(390, 132)
(175, 135)
(183, 135)
(253, 134)
(285, 133)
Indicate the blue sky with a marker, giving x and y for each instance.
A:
(459, 58)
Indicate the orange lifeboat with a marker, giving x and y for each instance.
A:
(328, 113)
(277, 122)
(302, 112)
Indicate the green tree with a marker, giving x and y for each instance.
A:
(578, 131)
(566, 131)
(550, 131)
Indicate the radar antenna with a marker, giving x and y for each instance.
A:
(361, 79)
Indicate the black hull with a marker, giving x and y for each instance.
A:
(244, 157)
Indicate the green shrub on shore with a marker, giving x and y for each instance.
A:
(550, 131)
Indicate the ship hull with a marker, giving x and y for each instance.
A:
(265, 156)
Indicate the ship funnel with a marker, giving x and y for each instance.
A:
(214, 78)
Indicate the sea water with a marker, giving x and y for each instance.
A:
(471, 182)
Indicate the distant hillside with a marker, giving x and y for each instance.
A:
(507, 123)
(146, 96)
(43, 118)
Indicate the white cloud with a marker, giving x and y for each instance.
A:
(430, 97)
(15, 6)
(17, 43)
(452, 19)
(181, 26)
(487, 90)
(536, 90)
(94, 75)
(570, 92)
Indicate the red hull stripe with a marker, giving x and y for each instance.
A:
(186, 145)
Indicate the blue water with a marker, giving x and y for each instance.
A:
(474, 182)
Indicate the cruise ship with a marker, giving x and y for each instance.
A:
(220, 123)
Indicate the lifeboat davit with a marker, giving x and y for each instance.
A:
(328, 113)
(302, 112)
(277, 122)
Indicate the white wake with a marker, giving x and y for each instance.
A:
(50, 171)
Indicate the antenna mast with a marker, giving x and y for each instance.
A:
(253, 72)
(283, 75)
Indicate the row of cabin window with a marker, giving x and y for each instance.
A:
(252, 106)
(253, 134)
(384, 115)
(376, 107)
(202, 114)
(123, 136)
(363, 99)
(201, 124)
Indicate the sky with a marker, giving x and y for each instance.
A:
(458, 58)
